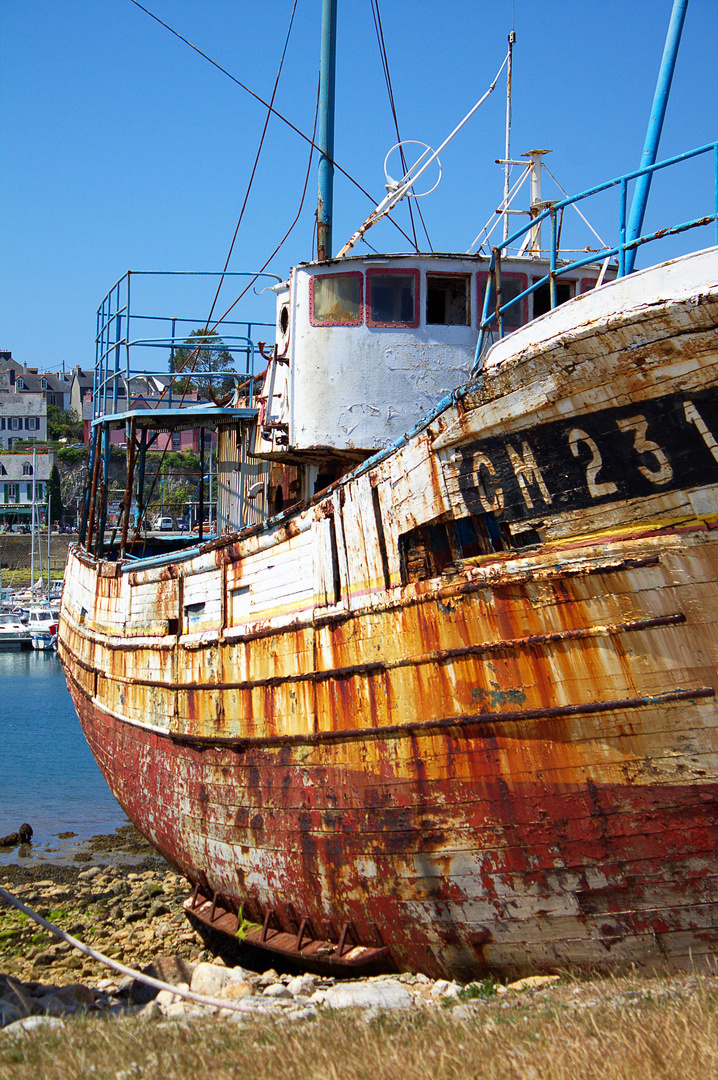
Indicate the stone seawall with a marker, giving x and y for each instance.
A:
(15, 556)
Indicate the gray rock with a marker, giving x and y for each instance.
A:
(158, 907)
(302, 985)
(52, 1005)
(47, 956)
(277, 990)
(33, 1023)
(267, 978)
(182, 1010)
(208, 979)
(89, 874)
(301, 1014)
(443, 988)
(468, 1011)
(386, 994)
(150, 1011)
(166, 997)
(9, 1013)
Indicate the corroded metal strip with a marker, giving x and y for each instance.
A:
(524, 578)
(433, 657)
(427, 727)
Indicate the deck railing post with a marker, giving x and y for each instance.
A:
(715, 190)
(553, 258)
(201, 483)
(130, 458)
(622, 230)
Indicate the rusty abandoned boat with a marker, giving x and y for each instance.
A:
(444, 700)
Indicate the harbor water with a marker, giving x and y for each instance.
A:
(48, 777)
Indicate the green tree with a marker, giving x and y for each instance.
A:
(212, 355)
(55, 494)
(63, 424)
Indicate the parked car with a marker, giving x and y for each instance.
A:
(164, 524)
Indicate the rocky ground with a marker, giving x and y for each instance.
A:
(132, 912)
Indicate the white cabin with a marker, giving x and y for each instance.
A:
(367, 346)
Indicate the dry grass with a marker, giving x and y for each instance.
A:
(606, 1037)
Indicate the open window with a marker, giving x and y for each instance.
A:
(336, 299)
(426, 551)
(565, 290)
(512, 285)
(448, 299)
(392, 298)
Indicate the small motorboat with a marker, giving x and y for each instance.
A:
(13, 633)
(42, 628)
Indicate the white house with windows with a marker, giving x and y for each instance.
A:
(20, 482)
(22, 417)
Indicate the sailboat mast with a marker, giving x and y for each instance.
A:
(325, 203)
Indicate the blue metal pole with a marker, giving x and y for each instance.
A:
(325, 203)
(715, 189)
(553, 259)
(622, 231)
(655, 125)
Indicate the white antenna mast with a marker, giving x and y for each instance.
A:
(507, 155)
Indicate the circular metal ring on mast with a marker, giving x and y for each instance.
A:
(392, 184)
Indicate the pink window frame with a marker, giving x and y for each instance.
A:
(371, 273)
(450, 274)
(481, 279)
(337, 322)
(588, 283)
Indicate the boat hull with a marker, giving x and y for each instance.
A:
(462, 864)
(507, 762)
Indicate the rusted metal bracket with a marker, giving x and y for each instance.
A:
(270, 916)
(305, 929)
(215, 898)
(347, 931)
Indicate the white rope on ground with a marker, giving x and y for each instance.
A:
(219, 1003)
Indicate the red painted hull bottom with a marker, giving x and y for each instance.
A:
(455, 876)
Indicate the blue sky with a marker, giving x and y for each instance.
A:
(122, 149)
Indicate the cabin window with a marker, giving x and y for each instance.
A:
(193, 614)
(427, 551)
(448, 299)
(239, 601)
(588, 284)
(393, 298)
(336, 300)
(565, 290)
(511, 286)
(424, 552)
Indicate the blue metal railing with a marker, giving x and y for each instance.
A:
(494, 318)
(115, 342)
